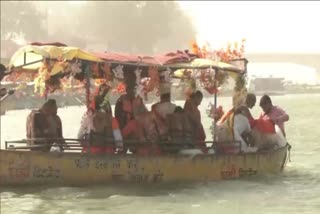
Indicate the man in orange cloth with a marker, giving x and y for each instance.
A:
(143, 129)
(125, 106)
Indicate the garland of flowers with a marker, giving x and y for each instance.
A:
(42, 77)
(209, 79)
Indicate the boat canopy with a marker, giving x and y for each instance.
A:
(81, 65)
(31, 56)
(174, 61)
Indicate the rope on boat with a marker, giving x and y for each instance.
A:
(289, 152)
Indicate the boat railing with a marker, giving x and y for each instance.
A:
(74, 145)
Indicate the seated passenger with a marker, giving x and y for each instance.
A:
(191, 109)
(96, 131)
(125, 106)
(142, 129)
(164, 107)
(242, 132)
(235, 128)
(249, 104)
(55, 124)
(38, 126)
(181, 130)
(115, 126)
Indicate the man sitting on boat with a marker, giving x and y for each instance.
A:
(164, 107)
(249, 104)
(55, 124)
(46, 124)
(97, 129)
(181, 130)
(142, 129)
(127, 102)
(191, 108)
(235, 124)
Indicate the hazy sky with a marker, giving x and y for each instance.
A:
(267, 26)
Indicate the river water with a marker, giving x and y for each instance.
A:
(296, 190)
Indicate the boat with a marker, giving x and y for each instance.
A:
(37, 168)
(267, 85)
(21, 167)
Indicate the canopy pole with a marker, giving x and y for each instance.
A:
(87, 85)
(215, 105)
(24, 58)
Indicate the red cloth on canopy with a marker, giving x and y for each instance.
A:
(162, 59)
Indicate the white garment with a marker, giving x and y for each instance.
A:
(165, 108)
(241, 125)
(281, 138)
(86, 124)
(55, 148)
(118, 137)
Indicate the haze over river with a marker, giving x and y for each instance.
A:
(296, 190)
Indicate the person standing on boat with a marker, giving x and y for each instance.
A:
(191, 108)
(274, 113)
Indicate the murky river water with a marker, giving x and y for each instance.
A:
(296, 190)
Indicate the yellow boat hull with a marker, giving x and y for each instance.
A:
(36, 168)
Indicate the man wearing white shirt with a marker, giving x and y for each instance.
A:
(164, 107)
(241, 127)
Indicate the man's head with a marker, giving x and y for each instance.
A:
(50, 107)
(130, 91)
(266, 103)
(104, 89)
(197, 97)
(178, 109)
(53, 106)
(251, 100)
(165, 92)
(165, 97)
